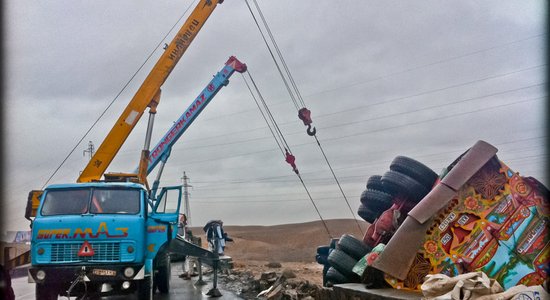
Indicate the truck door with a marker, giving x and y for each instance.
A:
(163, 220)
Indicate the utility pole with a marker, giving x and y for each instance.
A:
(90, 149)
(186, 207)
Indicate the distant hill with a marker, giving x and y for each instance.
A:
(285, 243)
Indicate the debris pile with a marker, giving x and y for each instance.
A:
(272, 285)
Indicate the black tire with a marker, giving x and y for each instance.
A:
(321, 259)
(415, 170)
(376, 200)
(367, 214)
(335, 277)
(323, 250)
(375, 183)
(144, 289)
(343, 263)
(162, 278)
(353, 247)
(46, 292)
(404, 185)
(333, 243)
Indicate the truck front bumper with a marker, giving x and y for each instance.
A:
(97, 273)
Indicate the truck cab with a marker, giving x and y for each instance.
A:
(95, 237)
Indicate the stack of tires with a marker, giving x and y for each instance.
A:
(341, 259)
(405, 184)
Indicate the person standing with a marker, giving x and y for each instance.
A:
(215, 236)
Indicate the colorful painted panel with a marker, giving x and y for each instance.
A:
(497, 223)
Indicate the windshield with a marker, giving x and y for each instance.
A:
(91, 200)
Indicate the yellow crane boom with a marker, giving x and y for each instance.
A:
(149, 93)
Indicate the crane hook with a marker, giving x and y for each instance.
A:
(311, 132)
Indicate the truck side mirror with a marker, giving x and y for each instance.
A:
(33, 201)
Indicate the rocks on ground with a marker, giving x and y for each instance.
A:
(272, 285)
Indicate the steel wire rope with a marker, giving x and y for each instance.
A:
(283, 141)
(116, 97)
(267, 111)
(292, 96)
(262, 113)
(273, 57)
(283, 62)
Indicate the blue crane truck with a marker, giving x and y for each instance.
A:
(115, 235)
(111, 235)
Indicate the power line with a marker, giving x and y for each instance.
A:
(521, 40)
(370, 119)
(377, 130)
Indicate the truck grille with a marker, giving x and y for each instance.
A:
(68, 252)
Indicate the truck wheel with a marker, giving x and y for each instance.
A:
(323, 250)
(412, 168)
(353, 247)
(144, 289)
(376, 200)
(367, 214)
(162, 279)
(375, 183)
(343, 263)
(404, 185)
(335, 277)
(46, 292)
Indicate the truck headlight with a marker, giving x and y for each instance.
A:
(129, 272)
(40, 251)
(40, 275)
(130, 249)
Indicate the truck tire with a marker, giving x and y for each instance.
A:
(323, 250)
(335, 277)
(375, 183)
(343, 263)
(415, 170)
(376, 200)
(162, 278)
(46, 292)
(404, 185)
(144, 289)
(353, 247)
(367, 214)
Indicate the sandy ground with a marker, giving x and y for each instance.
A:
(292, 245)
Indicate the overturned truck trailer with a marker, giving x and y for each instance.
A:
(479, 216)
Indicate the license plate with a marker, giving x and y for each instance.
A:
(102, 272)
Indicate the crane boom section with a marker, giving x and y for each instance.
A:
(149, 90)
(162, 150)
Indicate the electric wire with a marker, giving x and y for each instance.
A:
(364, 120)
(410, 69)
(116, 96)
(381, 129)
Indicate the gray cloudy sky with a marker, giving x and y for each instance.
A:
(424, 79)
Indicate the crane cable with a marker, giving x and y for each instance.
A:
(296, 97)
(279, 139)
(116, 96)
